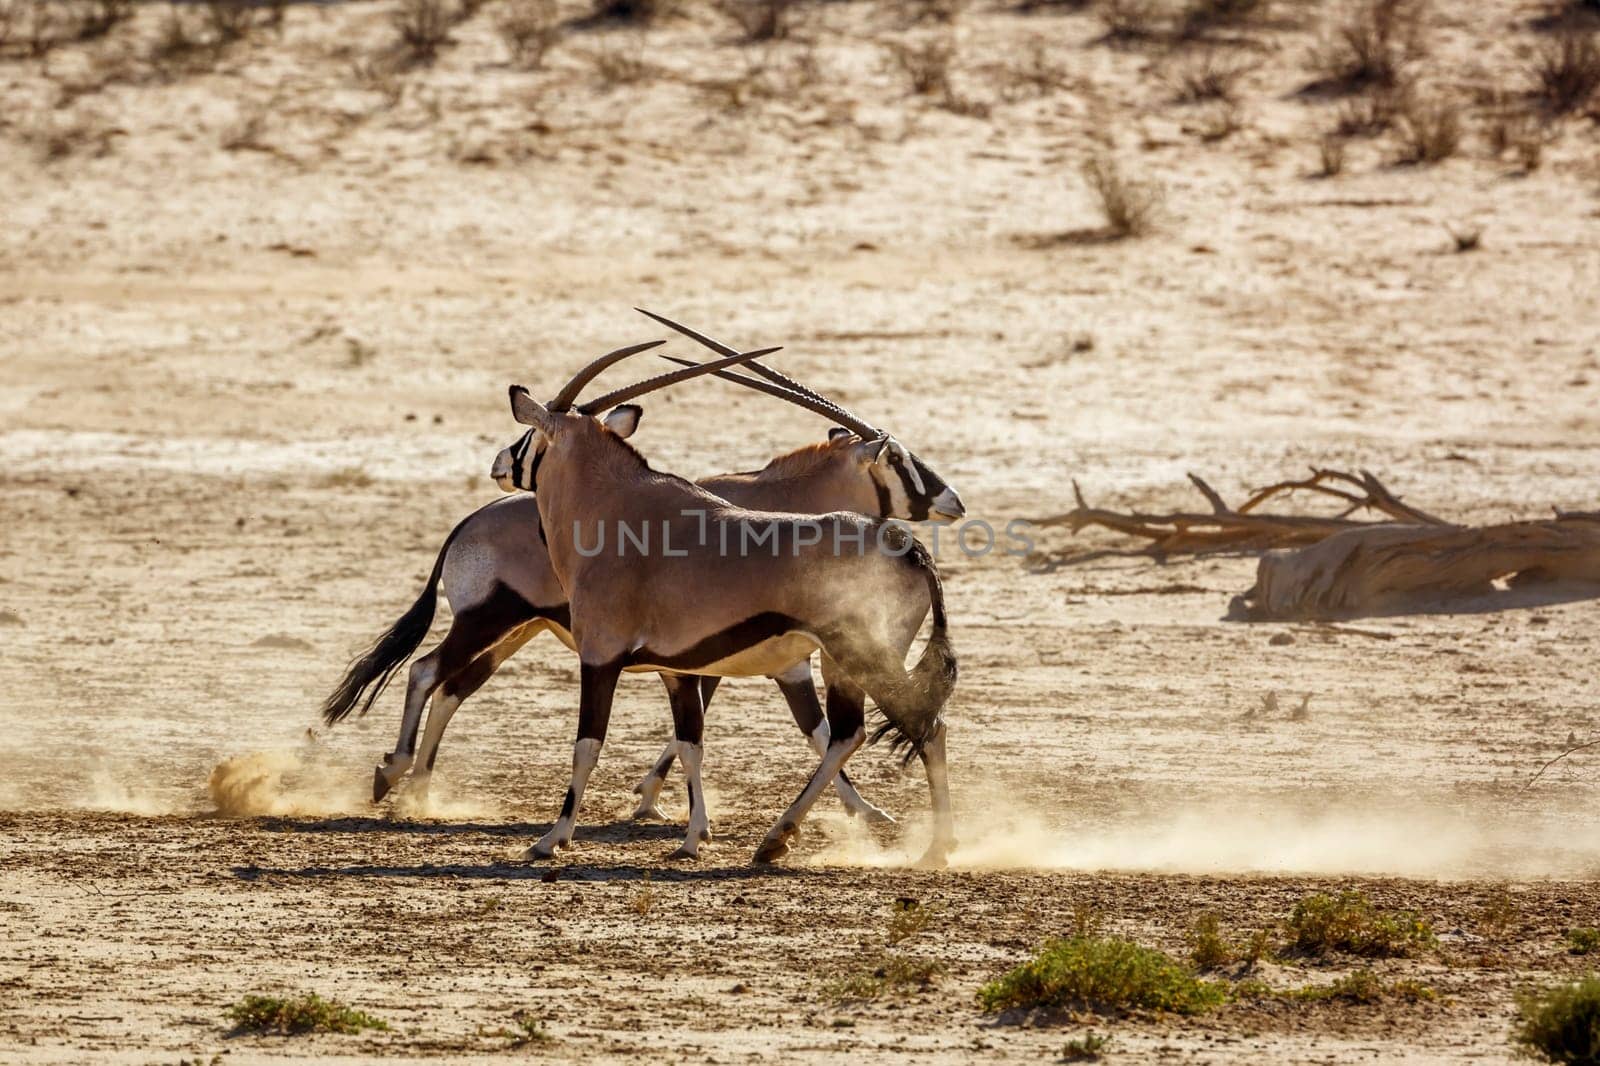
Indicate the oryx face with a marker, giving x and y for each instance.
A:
(907, 487)
(516, 468)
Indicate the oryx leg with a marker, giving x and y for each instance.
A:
(449, 697)
(801, 694)
(598, 685)
(649, 787)
(473, 633)
(847, 732)
(688, 723)
(944, 830)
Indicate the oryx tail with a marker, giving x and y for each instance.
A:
(370, 672)
(913, 701)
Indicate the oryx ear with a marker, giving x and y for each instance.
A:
(874, 451)
(623, 419)
(839, 433)
(528, 411)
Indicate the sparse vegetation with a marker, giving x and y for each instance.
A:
(1129, 206)
(1370, 114)
(891, 971)
(925, 63)
(1130, 21)
(760, 20)
(1102, 974)
(1370, 46)
(908, 918)
(1521, 134)
(1364, 986)
(1208, 949)
(423, 27)
(1201, 16)
(1561, 1023)
(1567, 71)
(644, 899)
(618, 65)
(526, 1028)
(1090, 1047)
(1499, 912)
(1205, 77)
(529, 28)
(1330, 151)
(309, 1013)
(1584, 940)
(1350, 923)
(230, 20)
(1429, 129)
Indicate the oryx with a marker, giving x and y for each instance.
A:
(857, 588)
(495, 572)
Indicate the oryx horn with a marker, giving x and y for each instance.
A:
(816, 404)
(570, 390)
(661, 381)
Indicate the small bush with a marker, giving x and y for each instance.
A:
(1037, 73)
(1363, 986)
(1102, 974)
(1567, 71)
(1205, 78)
(1350, 923)
(1561, 1023)
(909, 918)
(644, 899)
(424, 28)
(1331, 152)
(926, 64)
(890, 973)
(530, 29)
(1129, 21)
(309, 1013)
(1583, 941)
(1208, 950)
(1201, 16)
(1129, 206)
(1371, 45)
(1090, 1047)
(760, 20)
(1499, 914)
(1429, 130)
(1371, 114)
(1523, 135)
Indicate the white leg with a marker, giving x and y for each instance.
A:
(585, 753)
(438, 718)
(649, 786)
(776, 843)
(853, 801)
(944, 830)
(699, 818)
(422, 679)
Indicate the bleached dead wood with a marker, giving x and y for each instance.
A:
(1247, 528)
(1389, 567)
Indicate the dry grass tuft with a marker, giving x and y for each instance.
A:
(529, 28)
(620, 65)
(1037, 73)
(1330, 153)
(1521, 134)
(1429, 129)
(1130, 207)
(925, 63)
(423, 27)
(760, 20)
(1370, 46)
(1567, 71)
(1205, 77)
(309, 1013)
(1132, 21)
(1202, 16)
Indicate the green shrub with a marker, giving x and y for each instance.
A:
(1583, 941)
(1207, 947)
(1561, 1023)
(1102, 974)
(309, 1013)
(1350, 923)
(1090, 1047)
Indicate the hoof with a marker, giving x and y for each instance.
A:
(772, 851)
(684, 853)
(649, 812)
(874, 816)
(776, 846)
(937, 857)
(380, 785)
(541, 850)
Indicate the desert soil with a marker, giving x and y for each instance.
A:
(257, 318)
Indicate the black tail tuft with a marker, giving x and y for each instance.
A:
(371, 671)
(914, 717)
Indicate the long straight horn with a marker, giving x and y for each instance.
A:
(844, 417)
(661, 381)
(570, 390)
(826, 410)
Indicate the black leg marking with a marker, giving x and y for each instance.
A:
(803, 704)
(688, 713)
(598, 684)
(568, 803)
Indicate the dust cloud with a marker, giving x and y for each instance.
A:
(1251, 837)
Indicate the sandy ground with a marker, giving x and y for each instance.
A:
(246, 391)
